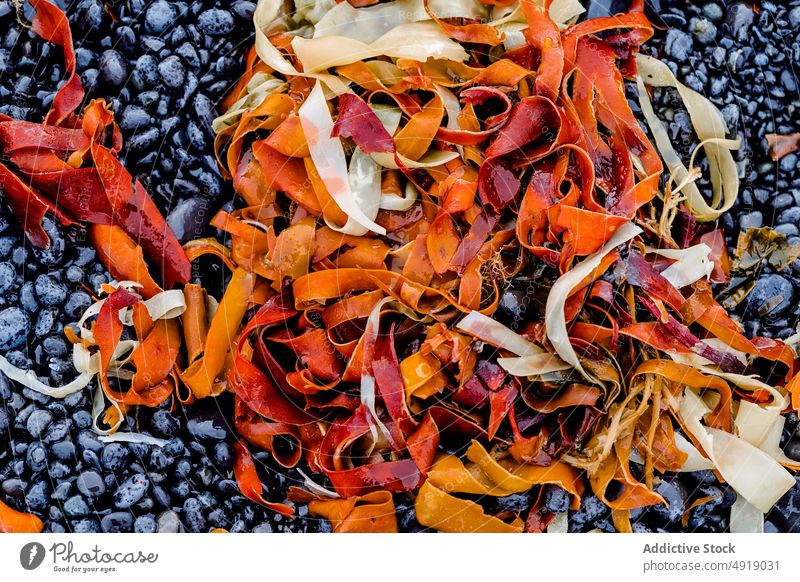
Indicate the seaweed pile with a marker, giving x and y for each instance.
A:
(541, 430)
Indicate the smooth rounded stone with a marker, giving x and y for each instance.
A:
(181, 489)
(88, 15)
(84, 256)
(264, 527)
(15, 487)
(23, 415)
(86, 526)
(27, 298)
(739, 19)
(172, 72)
(58, 431)
(193, 515)
(64, 450)
(76, 506)
(787, 509)
(182, 468)
(792, 449)
(16, 402)
(210, 184)
(145, 524)
(204, 109)
(91, 459)
(53, 254)
(90, 79)
(14, 328)
(674, 493)
(54, 346)
(160, 461)
(49, 291)
(794, 17)
(789, 216)
(152, 44)
(77, 303)
(206, 422)
(143, 140)
(713, 11)
(91, 484)
(789, 81)
(787, 229)
(703, 30)
(205, 475)
(131, 491)
(82, 419)
(139, 450)
(133, 118)
(788, 163)
(160, 496)
(74, 274)
(19, 256)
(58, 470)
(38, 422)
(88, 441)
(159, 17)
(38, 496)
(223, 455)
(771, 295)
(752, 219)
(45, 322)
(113, 68)
(117, 522)
(36, 457)
(782, 201)
(188, 53)
(197, 137)
(8, 276)
(706, 523)
(216, 518)
(591, 510)
(164, 423)
(215, 22)
(77, 399)
(243, 10)
(145, 72)
(718, 86)
(174, 447)
(189, 218)
(678, 45)
(114, 457)
(168, 522)
(125, 40)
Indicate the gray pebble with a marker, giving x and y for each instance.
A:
(168, 522)
(678, 45)
(91, 484)
(145, 524)
(75, 506)
(113, 68)
(703, 30)
(38, 422)
(117, 522)
(131, 491)
(752, 219)
(14, 328)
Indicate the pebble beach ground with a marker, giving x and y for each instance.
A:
(165, 66)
